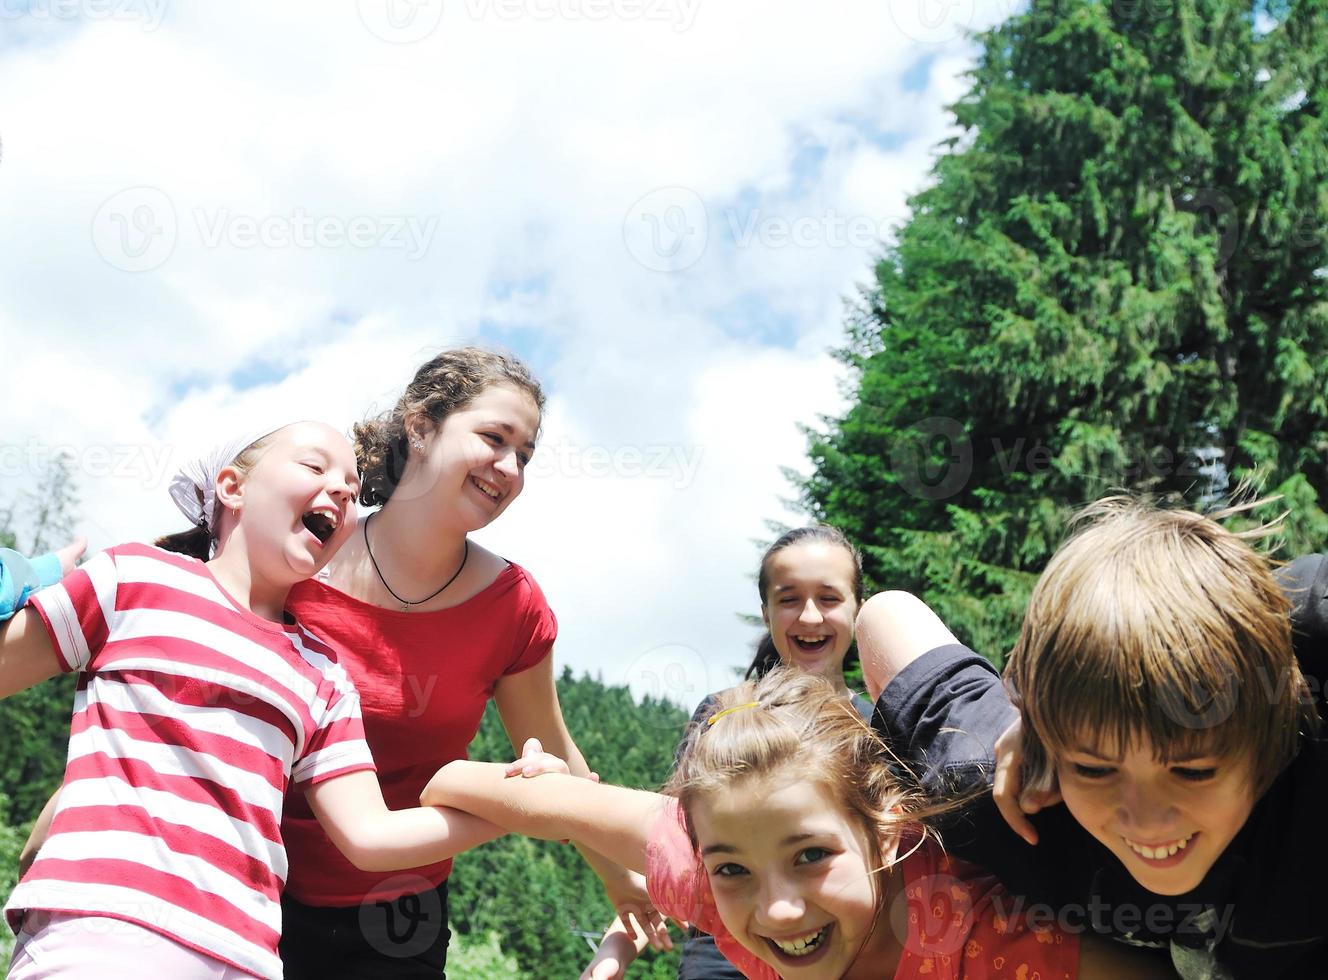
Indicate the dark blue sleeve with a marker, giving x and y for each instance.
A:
(1305, 582)
(942, 715)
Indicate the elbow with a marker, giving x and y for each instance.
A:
(360, 852)
(370, 859)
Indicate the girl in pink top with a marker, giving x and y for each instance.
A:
(787, 836)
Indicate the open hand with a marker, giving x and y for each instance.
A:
(1012, 798)
(71, 553)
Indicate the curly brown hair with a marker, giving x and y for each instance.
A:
(443, 384)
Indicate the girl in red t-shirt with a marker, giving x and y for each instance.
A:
(430, 626)
(787, 837)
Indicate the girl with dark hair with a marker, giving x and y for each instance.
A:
(432, 626)
(810, 584)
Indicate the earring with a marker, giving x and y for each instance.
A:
(417, 443)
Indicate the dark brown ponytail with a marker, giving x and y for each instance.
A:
(196, 543)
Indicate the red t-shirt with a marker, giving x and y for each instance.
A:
(424, 679)
(962, 925)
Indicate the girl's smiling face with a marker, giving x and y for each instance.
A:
(796, 887)
(297, 504)
(1167, 822)
(810, 605)
(474, 462)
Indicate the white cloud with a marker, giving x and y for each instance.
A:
(257, 158)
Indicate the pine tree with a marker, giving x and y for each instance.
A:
(1118, 279)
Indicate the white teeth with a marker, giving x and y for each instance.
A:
(801, 946)
(484, 487)
(1159, 852)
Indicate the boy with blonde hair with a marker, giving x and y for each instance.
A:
(1156, 693)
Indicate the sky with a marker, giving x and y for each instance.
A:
(216, 214)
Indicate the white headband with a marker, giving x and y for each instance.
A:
(194, 487)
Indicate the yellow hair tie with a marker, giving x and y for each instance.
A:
(728, 711)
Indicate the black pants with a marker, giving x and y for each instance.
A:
(702, 960)
(405, 939)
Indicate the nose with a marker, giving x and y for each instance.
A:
(508, 465)
(779, 904)
(1144, 810)
(810, 613)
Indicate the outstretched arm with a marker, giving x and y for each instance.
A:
(528, 705)
(374, 838)
(612, 820)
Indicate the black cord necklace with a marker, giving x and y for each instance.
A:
(406, 603)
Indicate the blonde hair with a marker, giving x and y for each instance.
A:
(793, 721)
(443, 384)
(1164, 625)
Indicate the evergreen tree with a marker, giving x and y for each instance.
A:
(1118, 279)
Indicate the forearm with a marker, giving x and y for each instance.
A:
(611, 820)
(374, 838)
(37, 836)
(400, 839)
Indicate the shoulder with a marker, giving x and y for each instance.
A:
(707, 706)
(522, 586)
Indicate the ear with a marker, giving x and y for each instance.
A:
(230, 488)
(417, 426)
(765, 616)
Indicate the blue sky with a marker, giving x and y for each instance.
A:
(226, 212)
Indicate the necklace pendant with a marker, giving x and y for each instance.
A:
(405, 606)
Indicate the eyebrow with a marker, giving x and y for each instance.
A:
(786, 842)
(507, 427)
(823, 585)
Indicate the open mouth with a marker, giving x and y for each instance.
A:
(1166, 853)
(488, 489)
(801, 949)
(320, 524)
(811, 644)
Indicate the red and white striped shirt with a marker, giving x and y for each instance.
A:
(192, 715)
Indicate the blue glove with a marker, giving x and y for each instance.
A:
(19, 578)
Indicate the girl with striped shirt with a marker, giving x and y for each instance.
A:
(199, 700)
